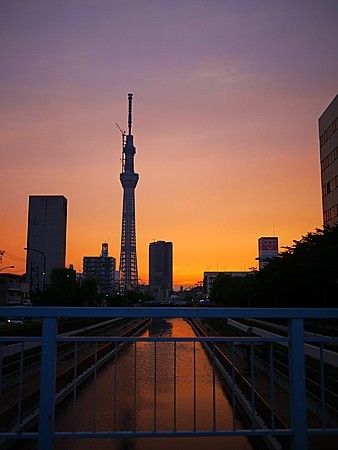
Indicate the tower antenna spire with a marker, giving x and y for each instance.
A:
(130, 101)
(129, 179)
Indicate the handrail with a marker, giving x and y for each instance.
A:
(298, 430)
(169, 312)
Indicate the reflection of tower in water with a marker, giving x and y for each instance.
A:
(129, 179)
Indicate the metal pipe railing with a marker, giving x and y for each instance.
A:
(298, 429)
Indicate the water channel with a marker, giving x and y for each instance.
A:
(106, 419)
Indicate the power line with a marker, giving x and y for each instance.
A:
(10, 256)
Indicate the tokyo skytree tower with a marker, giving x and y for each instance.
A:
(129, 179)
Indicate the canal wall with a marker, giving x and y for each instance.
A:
(236, 385)
(314, 402)
(329, 357)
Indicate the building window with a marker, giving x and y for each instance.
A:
(331, 158)
(329, 132)
(331, 213)
(330, 186)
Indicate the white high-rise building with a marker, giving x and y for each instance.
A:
(328, 140)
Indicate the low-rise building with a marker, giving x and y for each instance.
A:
(209, 278)
(102, 268)
(14, 291)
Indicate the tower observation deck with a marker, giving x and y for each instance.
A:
(129, 179)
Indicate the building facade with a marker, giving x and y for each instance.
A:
(267, 249)
(328, 141)
(46, 238)
(14, 291)
(209, 278)
(102, 268)
(128, 177)
(161, 268)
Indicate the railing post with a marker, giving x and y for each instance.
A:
(297, 385)
(47, 383)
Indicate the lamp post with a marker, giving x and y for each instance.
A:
(29, 249)
(7, 267)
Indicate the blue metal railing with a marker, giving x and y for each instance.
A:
(297, 430)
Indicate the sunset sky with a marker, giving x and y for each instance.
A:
(227, 95)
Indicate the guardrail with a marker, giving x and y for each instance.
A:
(261, 425)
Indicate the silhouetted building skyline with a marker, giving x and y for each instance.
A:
(46, 238)
(328, 141)
(128, 258)
(161, 268)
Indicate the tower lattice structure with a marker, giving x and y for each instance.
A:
(129, 179)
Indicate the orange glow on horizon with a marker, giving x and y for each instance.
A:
(225, 124)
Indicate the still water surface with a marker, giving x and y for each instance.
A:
(105, 419)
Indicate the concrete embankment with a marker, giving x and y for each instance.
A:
(240, 388)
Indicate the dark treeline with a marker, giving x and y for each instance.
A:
(65, 290)
(304, 275)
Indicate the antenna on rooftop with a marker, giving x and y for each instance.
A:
(123, 133)
(130, 101)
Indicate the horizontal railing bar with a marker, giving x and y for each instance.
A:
(140, 434)
(331, 339)
(170, 312)
(323, 431)
(246, 340)
(22, 435)
(183, 433)
(18, 339)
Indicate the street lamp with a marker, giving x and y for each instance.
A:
(7, 267)
(29, 249)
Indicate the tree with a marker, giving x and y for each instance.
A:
(88, 295)
(231, 291)
(304, 275)
(62, 291)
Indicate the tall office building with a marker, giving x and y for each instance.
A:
(129, 179)
(46, 238)
(161, 268)
(328, 140)
(102, 268)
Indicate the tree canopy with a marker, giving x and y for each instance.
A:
(65, 290)
(303, 275)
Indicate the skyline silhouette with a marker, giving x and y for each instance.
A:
(227, 96)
